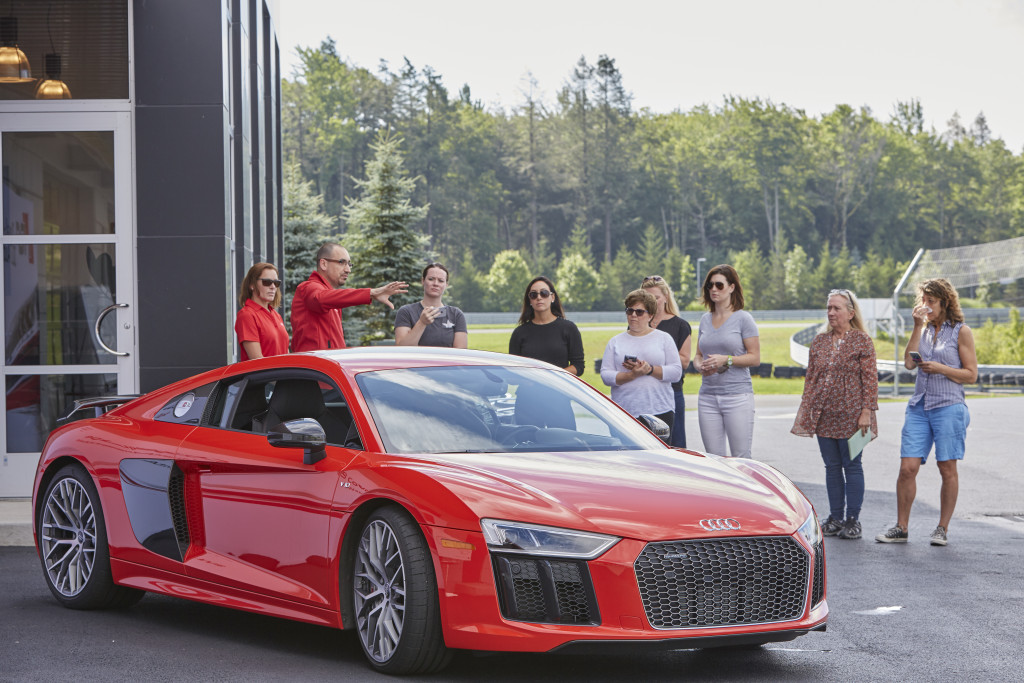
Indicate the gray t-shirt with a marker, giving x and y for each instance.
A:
(726, 340)
(441, 332)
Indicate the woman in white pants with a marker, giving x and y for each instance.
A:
(727, 347)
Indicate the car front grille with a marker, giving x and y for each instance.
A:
(545, 590)
(723, 582)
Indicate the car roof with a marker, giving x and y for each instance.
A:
(367, 358)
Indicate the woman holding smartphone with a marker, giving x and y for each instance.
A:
(942, 349)
(429, 322)
(641, 363)
(840, 398)
(728, 345)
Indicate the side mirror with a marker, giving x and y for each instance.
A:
(305, 433)
(656, 425)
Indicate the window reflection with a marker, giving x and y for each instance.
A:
(52, 296)
(58, 183)
(34, 402)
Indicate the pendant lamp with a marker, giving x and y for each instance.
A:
(51, 87)
(14, 66)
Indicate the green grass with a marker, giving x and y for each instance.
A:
(774, 350)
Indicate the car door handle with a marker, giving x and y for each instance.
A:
(99, 320)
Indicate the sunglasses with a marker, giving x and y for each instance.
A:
(716, 284)
(635, 311)
(541, 293)
(267, 282)
(653, 278)
(841, 292)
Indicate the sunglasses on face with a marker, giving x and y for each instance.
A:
(542, 293)
(716, 284)
(638, 312)
(267, 282)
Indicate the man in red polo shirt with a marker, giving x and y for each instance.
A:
(317, 304)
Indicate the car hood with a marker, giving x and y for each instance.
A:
(649, 495)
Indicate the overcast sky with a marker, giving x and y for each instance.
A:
(961, 56)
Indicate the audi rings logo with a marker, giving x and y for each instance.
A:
(719, 524)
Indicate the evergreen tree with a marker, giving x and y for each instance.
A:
(577, 282)
(306, 226)
(383, 245)
(468, 286)
(544, 260)
(507, 281)
(651, 259)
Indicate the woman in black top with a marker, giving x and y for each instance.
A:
(543, 332)
(667, 319)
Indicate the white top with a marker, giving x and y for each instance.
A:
(643, 394)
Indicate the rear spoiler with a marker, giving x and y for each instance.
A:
(85, 408)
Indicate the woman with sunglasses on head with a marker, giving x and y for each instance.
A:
(429, 322)
(668, 320)
(641, 363)
(543, 331)
(259, 328)
(840, 399)
(728, 345)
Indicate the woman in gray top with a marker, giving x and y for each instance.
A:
(727, 347)
(429, 322)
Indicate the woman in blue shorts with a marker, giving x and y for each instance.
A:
(942, 349)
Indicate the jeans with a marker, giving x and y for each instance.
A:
(844, 478)
(679, 424)
(726, 419)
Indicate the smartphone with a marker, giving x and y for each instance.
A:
(914, 356)
(630, 359)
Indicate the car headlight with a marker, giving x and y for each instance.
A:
(534, 539)
(811, 530)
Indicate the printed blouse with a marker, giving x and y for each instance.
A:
(842, 380)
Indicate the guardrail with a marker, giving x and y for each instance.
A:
(990, 377)
(974, 317)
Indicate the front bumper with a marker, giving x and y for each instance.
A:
(472, 619)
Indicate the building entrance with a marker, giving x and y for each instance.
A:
(69, 285)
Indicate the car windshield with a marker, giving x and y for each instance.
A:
(490, 409)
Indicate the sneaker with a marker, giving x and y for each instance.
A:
(893, 535)
(831, 526)
(939, 536)
(851, 529)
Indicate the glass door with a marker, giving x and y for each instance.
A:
(68, 303)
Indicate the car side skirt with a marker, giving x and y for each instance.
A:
(178, 586)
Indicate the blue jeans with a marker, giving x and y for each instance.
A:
(844, 478)
(679, 423)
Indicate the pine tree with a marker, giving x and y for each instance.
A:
(380, 238)
(306, 226)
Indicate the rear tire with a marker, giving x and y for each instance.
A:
(395, 596)
(73, 545)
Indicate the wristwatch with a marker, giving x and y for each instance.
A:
(728, 362)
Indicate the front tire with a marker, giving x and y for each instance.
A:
(395, 597)
(73, 544)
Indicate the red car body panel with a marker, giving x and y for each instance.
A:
(267, 531)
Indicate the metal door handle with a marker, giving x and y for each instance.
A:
(99, 320)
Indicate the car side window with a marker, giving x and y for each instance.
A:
(186, 408)
(260, 402)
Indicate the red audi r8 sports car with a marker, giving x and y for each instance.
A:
(431, 499)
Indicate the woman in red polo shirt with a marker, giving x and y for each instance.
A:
(259, 328)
